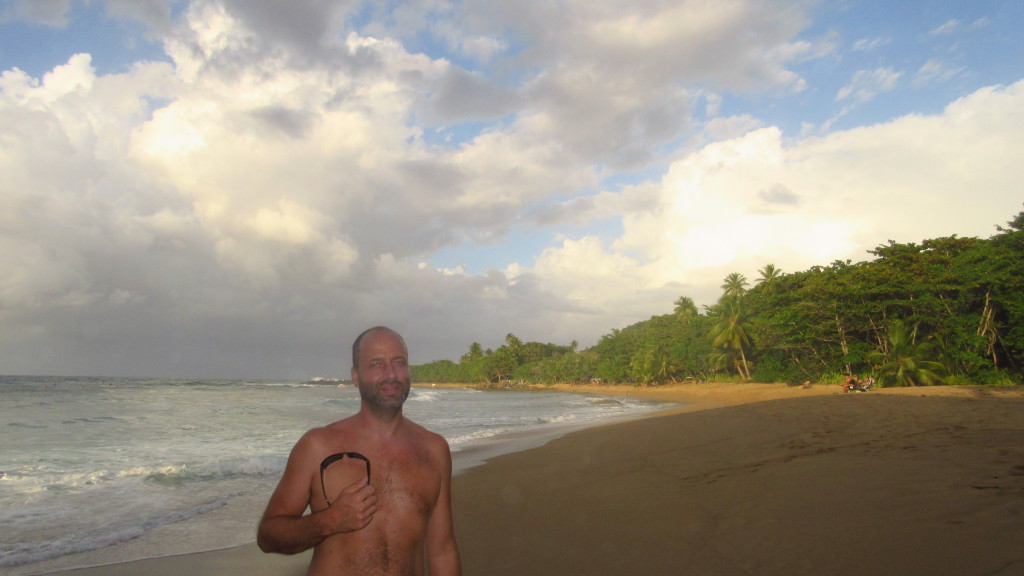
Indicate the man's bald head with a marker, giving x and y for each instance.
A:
(357, 345)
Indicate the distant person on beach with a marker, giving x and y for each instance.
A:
(386, 524)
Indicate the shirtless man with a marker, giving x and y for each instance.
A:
(377, 518)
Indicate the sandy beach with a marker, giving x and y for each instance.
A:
(748, 479)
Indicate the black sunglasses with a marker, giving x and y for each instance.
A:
(334, 458)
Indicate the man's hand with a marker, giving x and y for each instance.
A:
(353, 508)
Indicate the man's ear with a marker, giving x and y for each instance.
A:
(355, 376)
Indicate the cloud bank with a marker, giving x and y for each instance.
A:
(285, 178)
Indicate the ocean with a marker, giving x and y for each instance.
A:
(96, 471)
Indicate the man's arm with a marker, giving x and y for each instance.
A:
(285, 530)
(442, 549)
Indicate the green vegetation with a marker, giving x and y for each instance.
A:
(945, 311)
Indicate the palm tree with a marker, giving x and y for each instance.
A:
(665, 369)
(643, 366)
(476, 352)
(651, 364)
(685, 309)
(769, 273)
(515, 346)
(729, 335)
(735, 285)
(907, 362)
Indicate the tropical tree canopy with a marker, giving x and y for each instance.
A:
(945, 310)
(906, 362)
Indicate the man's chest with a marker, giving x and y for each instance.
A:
(408, 485)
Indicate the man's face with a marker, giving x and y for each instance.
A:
(382, 373)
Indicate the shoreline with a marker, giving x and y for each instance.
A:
(726, 483)
(465, 457)
(718, 394)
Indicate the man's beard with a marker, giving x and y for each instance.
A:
(381, 404)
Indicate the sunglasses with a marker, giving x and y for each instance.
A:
(334, 458)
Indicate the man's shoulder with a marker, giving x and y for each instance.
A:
(328, 433)
(430, 440)
(422, 431)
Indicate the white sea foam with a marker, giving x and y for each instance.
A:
(461, 441)
(418, 395)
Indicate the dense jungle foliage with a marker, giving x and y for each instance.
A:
(945, 311)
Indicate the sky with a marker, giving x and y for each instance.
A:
(237, 188)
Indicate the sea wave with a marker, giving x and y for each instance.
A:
(220, 469)
(30, 481)
(559, 419)
(424, 396)
(95, 420)
(459, 441)
(109, 534)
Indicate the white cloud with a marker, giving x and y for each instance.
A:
(585, 272)
(740, 204)
(947, 28)
(935, 71)
(48, 12)
(864, 87)
(869, 44)
(154, 13)
(866, 84)
(606, 79)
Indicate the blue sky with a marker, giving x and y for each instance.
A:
(229, 188)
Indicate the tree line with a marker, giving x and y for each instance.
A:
(943, 311)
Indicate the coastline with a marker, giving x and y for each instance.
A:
(744, 478)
